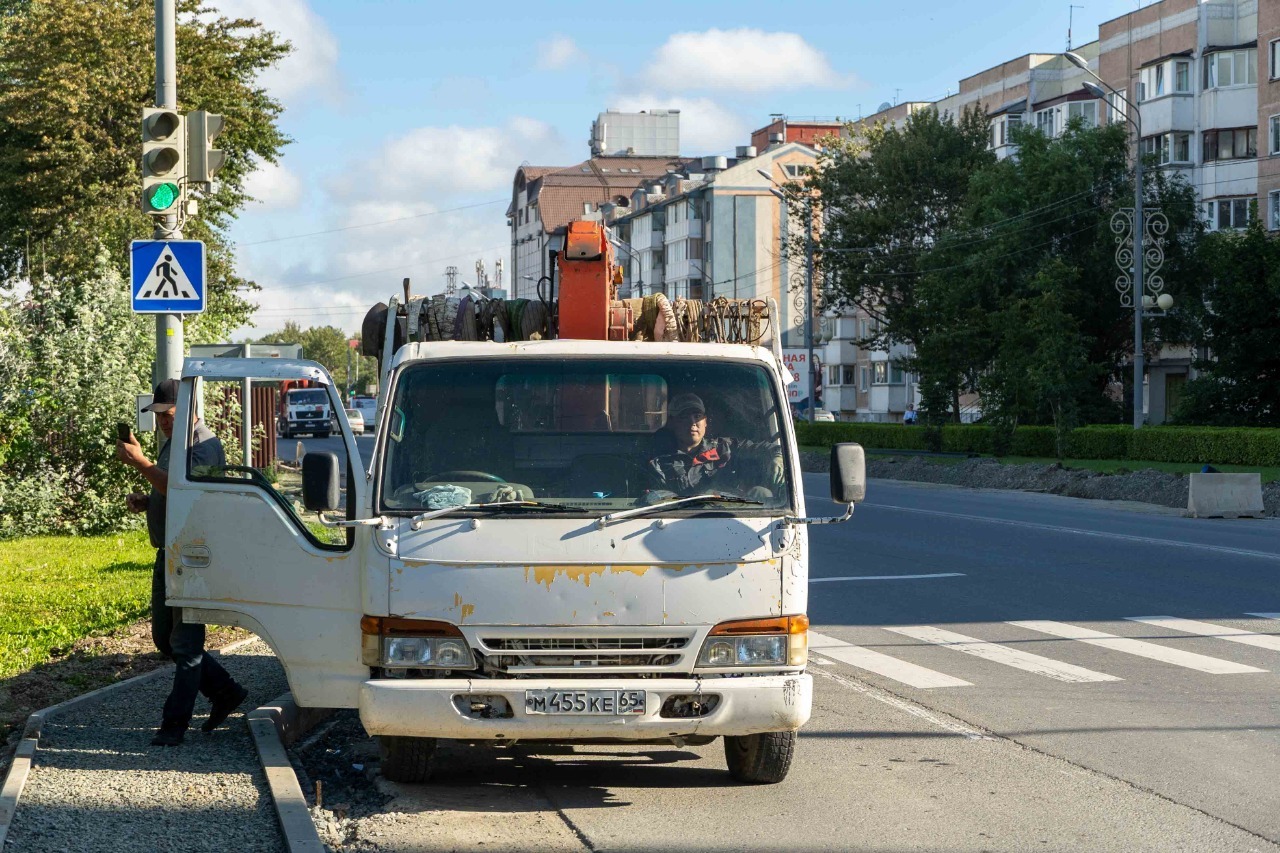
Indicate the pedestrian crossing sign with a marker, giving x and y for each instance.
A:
(168, 276)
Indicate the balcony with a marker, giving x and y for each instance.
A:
(1168, 113)
(683, 229)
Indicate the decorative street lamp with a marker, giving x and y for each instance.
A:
(1139, 239)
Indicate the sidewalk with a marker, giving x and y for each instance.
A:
(98, 785)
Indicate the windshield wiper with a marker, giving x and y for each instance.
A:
(693, 499)
(539, 506)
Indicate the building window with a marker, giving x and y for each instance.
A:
(1168, 148)
(1234, 144)
(833, 374)
(895, 374)
(847, 373)
(1274, 145)
(1044, 121)
(1118, 109)
(1087, 111)
(1231, 68)
(1273, 202)
(1182, 76)
(1229, 213)
(881, 375)
(1274, 64)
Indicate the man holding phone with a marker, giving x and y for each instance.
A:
(180, 641)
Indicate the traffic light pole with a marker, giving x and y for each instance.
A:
(169, 344)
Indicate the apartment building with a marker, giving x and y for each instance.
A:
(1205, 78)
(544, 199)
(716, 229)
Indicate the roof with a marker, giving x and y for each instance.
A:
(565, 347)
(1018, 106)
(562, 192)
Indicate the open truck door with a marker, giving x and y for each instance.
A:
(241, 549)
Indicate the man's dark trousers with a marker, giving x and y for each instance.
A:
(183, 643)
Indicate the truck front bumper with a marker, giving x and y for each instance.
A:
(441, 708)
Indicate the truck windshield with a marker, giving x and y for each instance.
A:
(599, 434)
(309, 397)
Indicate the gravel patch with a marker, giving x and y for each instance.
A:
(98, 785)
(1146, 486)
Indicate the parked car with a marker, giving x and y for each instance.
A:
(368, 407)
(356, 419)
(823, 415)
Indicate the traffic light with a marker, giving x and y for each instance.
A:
(203, 161)
(163, 160)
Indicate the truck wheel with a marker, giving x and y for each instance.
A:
(406, 759)
(324, 434)
(762, 759)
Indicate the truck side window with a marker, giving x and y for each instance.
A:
(272, 464)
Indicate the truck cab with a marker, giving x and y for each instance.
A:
(564, 540)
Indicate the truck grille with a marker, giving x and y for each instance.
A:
(544, 654)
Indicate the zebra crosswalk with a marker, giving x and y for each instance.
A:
(826, 648)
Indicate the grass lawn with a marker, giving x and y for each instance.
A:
(1106, 466)
(55, 590)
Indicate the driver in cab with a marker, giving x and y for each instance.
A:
(698, 464)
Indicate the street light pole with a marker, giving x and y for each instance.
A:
(809, 302)
(1134, 117)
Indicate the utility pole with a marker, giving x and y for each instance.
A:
(809, 306)
(169, 344)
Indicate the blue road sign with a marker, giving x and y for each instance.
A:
(168, 276)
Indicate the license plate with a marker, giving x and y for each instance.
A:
(608, 702)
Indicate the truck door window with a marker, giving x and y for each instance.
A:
(597, 434)
(280, 481)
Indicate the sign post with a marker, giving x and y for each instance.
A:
(799, 388)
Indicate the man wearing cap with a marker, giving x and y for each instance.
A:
(699, 464)
(182, 642)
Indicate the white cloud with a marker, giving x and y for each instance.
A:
(706, 127)
(558, 52)
(457, 160)
(740, 60)
(312, 67)
(273, 186)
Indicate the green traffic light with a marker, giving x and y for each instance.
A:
(163, 196)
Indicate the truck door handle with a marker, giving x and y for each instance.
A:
(194, 556)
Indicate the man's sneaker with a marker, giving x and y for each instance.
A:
(169, 735)
(223, 706)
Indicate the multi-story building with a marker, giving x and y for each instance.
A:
(545, 199)
(1205, 78)
(716, 229)
(809, 130)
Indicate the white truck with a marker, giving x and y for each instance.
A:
(305, 410)
(516, 560)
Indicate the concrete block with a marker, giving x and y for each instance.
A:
(1225, 496)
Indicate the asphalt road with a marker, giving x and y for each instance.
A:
(977, 687)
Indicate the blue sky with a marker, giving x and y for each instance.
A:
(419, 112)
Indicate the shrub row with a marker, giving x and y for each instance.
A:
(1200, 445)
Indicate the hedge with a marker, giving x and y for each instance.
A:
(1199, 445)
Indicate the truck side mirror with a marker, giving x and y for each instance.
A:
(320, 482)
(848, 473)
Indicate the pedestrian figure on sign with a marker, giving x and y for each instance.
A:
(910, 417)
(165, 269)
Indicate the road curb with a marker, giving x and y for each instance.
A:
(273, 726)
(16, 779)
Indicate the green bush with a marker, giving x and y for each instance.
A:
(1200, 445)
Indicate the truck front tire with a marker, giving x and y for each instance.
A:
(762, 759)
(406, 759)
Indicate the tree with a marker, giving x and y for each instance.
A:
(327, 345)
(76, 78)
(1239, 383)
(1032, 244)
(887, 196)
(68, 379)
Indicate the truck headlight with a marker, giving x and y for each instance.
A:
(781, 641)
(395, 643)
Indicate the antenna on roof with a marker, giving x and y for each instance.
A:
(1070, 12)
